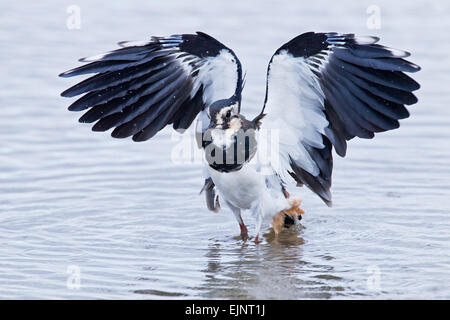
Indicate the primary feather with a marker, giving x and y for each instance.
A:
(144, 86)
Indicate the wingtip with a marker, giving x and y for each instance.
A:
(366, 39)
(68, 73)
(200, 33)
(416, 67)
(94, 58)
(119, 134)
(67, 93)
(98, 128)
(139, 137)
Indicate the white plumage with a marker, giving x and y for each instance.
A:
(293, 86)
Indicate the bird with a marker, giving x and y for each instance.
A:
(322, 90)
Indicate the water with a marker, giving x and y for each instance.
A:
(131, 221)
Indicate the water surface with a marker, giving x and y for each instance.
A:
(130, 220)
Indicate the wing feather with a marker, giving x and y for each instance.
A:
(142, 87)
(324, 89)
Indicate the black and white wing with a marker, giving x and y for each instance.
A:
(326, 88)
(143, 86)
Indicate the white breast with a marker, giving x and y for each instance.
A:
(241, 188)
(247, 190)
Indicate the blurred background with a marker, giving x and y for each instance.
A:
(83, 215)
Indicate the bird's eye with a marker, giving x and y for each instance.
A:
(228, 114)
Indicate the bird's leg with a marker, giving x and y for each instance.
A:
(244, 231)
(237, 214)
(258, 227)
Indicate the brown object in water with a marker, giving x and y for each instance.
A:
(294, 211)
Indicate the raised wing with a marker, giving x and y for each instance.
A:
(143, 86)
(326, 88)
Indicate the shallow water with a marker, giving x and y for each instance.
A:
(129, 220)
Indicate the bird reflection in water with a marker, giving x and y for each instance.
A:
(273, 269)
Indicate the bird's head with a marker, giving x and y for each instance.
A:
(229, 141)
(224, 114)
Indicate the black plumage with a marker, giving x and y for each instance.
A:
(366, 90)
(139, 89)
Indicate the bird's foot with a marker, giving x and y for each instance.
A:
(244, 231)
(294, 212)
